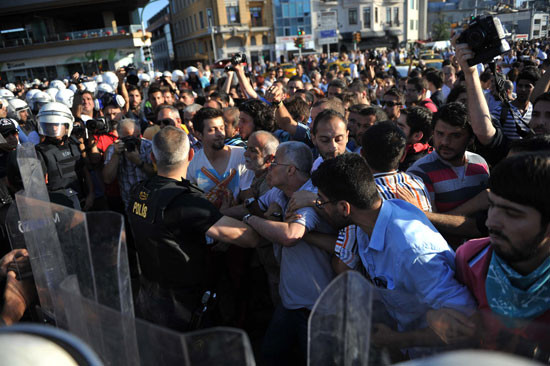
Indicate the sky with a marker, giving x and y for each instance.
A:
(152, 8)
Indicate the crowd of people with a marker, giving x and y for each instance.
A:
(262, 187)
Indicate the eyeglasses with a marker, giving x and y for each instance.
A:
(319, 204)
(274, 164)
(167, 122)
(389, 103)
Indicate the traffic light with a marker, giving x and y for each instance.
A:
(299, 41)
(147, 54)
(357, 37)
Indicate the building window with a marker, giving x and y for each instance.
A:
(537, 21)
(535, 33)
(195, 20)
(375, 15)
(388, 16)
(396, 16)
(366, 17)
(256, 16)
(352, 13)
(252, 41)
(201, 18)
(232, 14)
(417, 25)
(412, 5)
(412, 25)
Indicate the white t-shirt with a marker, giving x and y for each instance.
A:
(235, 177)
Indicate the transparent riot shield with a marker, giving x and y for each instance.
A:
(122, 340)
(62, 241)
(339, 324)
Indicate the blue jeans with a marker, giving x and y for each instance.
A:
(287, 329)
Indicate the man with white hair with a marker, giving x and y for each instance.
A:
(128, 159)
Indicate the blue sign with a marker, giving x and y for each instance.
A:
(328, 33)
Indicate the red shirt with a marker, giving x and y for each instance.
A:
(103, 142)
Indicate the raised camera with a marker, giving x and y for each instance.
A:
(485, 37)
(131, 74)
(131, 143)
(98, 126)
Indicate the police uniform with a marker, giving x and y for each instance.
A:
(169, 220)
(63, 164)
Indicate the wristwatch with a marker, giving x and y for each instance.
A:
(246, 218)
(249, 201)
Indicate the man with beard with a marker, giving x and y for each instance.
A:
(540, 118)
(329, 135)
(452, 175)
(399, 248)
(363, 117)
(416, 124)
(392, 102)
(508, 272)
(218, 169)
(135, 111)
(255, 115)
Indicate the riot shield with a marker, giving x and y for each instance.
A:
(339, 324)
(122, 340)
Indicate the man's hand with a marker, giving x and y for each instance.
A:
(273, 208)
(133, 157)
(406, 195)
(18, 295)
(301, 199)
(463, 54)
(121, 73)
(119, 147)
(18, 256)
(274, 95)
(450, 325)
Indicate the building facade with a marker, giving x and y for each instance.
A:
(215, 29)
(53, 39)
(161, 41)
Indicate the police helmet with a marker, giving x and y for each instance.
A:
(16, 106)
(39, 99)
(6, 94)
(65, 96)
(52, 116)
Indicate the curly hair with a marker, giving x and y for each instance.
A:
(262, 114)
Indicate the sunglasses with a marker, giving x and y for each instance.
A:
(167, 122)
(390, 104)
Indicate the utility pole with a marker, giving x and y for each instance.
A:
(212, 38)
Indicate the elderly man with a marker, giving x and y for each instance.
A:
(128, 159)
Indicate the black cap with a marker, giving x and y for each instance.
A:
(7, 126)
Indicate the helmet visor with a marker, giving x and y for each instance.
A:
(53, 129)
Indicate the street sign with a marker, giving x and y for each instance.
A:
(288, 39)
(327, 36)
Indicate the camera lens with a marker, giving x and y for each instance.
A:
(476, 38)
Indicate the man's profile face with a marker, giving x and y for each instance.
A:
(187, 99)
(156, 99)
(412, 95)
(362, 123)
(392, 106)
(450, 142)
(329, 211)
(515, 230)
(166, 113)
(168, 98)
(135, 98)
(540, 118)
(246, 125)
(334, 91)
(295, 85)
(331, 138)
(213, 133)
(253, 155)
(402, 124)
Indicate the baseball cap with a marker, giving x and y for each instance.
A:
(7, 126)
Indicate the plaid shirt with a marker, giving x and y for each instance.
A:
(128, 172)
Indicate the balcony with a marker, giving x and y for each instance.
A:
(70, 36)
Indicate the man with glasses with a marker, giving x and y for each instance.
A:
(399, 248)
(392, 102)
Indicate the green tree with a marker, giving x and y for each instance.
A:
(441, 30)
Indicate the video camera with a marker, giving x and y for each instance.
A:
(131, 74)
(238, 58)
(485, 37)
(98, 126)
(81, 80)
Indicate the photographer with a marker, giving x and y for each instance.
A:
(128, 159)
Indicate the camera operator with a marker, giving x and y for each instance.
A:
(128, 159)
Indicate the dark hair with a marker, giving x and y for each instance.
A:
(153, 90)
(524, 179)
(435, 77)
(262, 114)
(337, 83)
(327, 115)
(309, 96)
(418, 83)
(224, 97)
(370, 111)
(134, 87)
(332, 103)
(357, 85)
(298, 108)
(419, 119)
(545, 97)
(454, 114)
(533, 144)
(202, 115)
(531, 74)
(295, 78)
(395, 92)
(383, 145)
(355, 181)
(455, 92)
(485, 76)
(187, 92)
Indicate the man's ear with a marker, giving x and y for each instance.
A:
(344, 208)
(190, 155)
(418, 135)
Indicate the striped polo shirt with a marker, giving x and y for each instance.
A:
(451, 186)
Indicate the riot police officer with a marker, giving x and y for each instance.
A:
(61, 157)
(169, 218)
